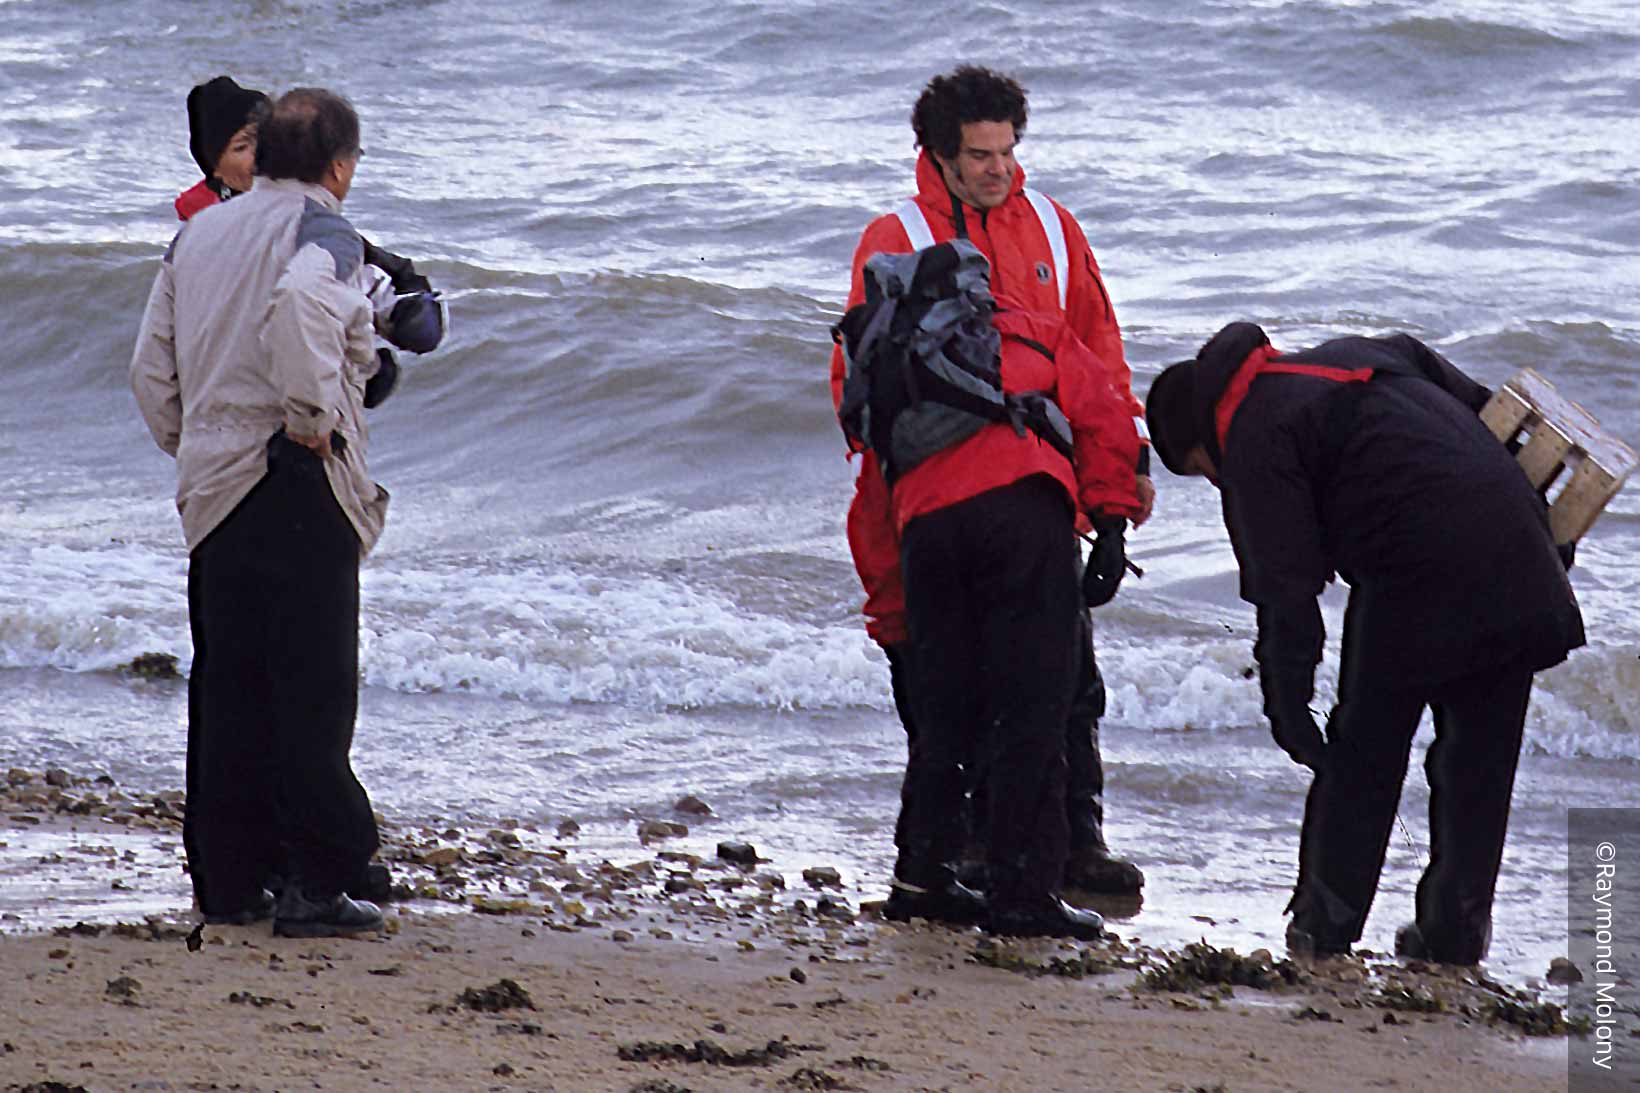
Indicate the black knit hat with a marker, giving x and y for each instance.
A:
(1170, 412)
(216, 111)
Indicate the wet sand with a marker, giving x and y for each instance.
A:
(521, 962)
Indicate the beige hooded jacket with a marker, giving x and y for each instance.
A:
(260, 319)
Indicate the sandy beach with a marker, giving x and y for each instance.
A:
(518, 963)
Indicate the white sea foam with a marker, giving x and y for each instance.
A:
(570, 635)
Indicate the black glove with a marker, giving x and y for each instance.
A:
(1287, 705)
(1568, 553)
(379, 386)
(1107, 561)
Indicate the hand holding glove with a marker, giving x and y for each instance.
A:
(1106, 561)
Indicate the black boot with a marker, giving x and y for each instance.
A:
(301, 915)
(1050, 917)
(950, 902)
(1411, 942)
(1094, 869)
(1313, 944)
(375, 885)
(245, 916)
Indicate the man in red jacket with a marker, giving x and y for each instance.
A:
(992, 428)
(970, 186)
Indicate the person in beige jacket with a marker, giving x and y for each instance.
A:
(250, 369)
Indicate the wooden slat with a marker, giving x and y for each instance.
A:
(1544, 453)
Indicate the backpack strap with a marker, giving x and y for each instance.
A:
(1055, 231)
(915, 224)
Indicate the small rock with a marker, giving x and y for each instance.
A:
(501, 995)
(737, 852)
(823, 876)
(56, 776)
(123, 989)
(1563, 972)
(833, 909)
(566, 828)
(620, 935)
(798, 975)
(154, 666)
(660, 829)
(1310, 1013)
(692, 805)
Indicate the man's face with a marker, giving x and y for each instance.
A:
(983, 171)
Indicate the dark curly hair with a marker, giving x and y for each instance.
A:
(967, 94)
(308, 128)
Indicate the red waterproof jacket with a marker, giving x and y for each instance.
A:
(196, 197)
(1022, 268)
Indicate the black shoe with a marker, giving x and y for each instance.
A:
(975, 874)
(1051, 918)
(1313, 946)
(245, 917)
(1410, 943)
(376, 885)
(952, 903)
(1096, 871)
(338, 916)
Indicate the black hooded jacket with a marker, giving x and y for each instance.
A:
(1395, 485)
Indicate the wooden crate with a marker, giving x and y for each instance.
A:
(1557, 438)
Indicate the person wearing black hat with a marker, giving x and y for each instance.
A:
(1365, 458)
(222, 119)
(222, 126)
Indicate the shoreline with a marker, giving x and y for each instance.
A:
(674, 972)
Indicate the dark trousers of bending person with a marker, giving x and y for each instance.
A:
(1349, 816)
(273, 597)
(992, 601)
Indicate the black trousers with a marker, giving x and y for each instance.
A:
(1350, 813)
(273, 603)
(1085, 775)
(992, 603)
(1085, 767)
